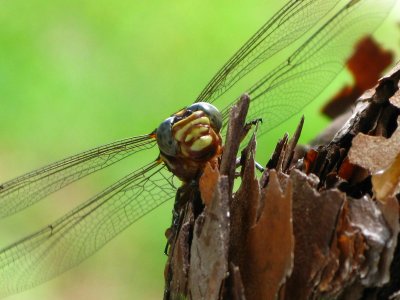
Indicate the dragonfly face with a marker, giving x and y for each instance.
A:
(190, 138)
(322, 34)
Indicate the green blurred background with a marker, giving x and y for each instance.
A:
(77, 74)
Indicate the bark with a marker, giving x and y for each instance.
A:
(320, 223)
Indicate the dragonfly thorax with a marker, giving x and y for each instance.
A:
(190, 138)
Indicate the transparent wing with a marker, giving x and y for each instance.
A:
(284, 91)
(285, 27)
(277, 96)
(65, 243)
(27, 189)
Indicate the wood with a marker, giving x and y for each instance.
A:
(319, 223)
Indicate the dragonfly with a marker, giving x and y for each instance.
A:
(326, 31)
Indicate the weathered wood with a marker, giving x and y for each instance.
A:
(318, 224)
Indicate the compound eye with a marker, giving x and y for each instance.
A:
(211, 111)
(165, 140)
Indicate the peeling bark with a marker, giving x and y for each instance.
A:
(318, 224)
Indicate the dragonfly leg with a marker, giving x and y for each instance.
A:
(250, 125)
(187, 192)
(170, 233)
(259, 167)
(247, 128)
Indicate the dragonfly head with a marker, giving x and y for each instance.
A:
(190, 137)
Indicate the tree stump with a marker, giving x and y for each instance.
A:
(320, 223)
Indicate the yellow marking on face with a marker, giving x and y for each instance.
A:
(184, 152)
(179, 134)
(195, 133)
(201, 143)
